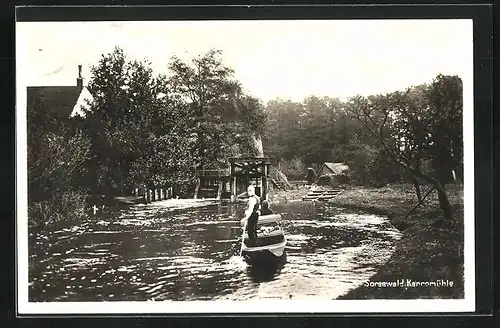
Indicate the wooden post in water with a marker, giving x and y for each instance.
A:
(219, 191)
(198, 182)
(233, 190)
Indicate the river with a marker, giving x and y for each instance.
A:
(156, 252)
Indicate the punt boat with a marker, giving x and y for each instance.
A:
(271, 241)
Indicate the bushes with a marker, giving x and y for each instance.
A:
(65, 206)
(294, 169)
(56, 157)
(368, 165)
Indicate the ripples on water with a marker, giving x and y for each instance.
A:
(154, 252)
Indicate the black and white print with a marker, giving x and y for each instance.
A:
(142, 144)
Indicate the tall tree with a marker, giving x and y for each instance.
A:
(120, 117)
(219, 112)
(408, 125)
(445, 107)
(282, 128)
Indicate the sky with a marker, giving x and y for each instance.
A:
(272, 59)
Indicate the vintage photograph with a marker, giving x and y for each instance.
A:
(245, 166)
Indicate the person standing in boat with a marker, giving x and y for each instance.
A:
(252, 213)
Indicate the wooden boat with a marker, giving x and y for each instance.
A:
(270, 244)
(129, 199)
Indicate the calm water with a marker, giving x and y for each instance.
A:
(154, 252)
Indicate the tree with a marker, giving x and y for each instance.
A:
(120, 119)
(220, 114)
(408, 126)
(56, 152)
(282, 137)
(446, 109)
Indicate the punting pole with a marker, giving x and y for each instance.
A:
(243, 237)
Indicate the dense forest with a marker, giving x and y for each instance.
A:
(152, 130)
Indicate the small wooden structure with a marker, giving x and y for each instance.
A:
(212, 184)
(245, 171)
(332, 168)
(321, 194)
(150, 195)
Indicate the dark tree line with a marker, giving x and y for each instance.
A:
(414, 135)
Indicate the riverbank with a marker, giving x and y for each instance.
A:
(290, 195)
(427, 251)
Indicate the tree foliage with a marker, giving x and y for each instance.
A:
(147, 130)
(56, 153)
(416, 127)
(221, 114)
(422, 124)
(56, 164)
(154, 131)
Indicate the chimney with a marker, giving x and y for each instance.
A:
(79, 80)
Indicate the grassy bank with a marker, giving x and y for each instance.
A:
(428, 251)
(291, 194)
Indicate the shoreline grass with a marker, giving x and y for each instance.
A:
(428, 251)
(291, 194)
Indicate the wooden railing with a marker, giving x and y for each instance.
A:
(212, 173)
(156, 194)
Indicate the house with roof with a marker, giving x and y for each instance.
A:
(333, 174)
(333, 168)
(62, 102)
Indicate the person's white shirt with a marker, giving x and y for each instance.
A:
(252, 201)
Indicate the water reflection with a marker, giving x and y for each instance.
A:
(266, 271)
(160, 252)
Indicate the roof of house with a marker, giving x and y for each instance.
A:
(60, 99)
(336, 168)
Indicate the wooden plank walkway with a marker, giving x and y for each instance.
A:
(321, 194)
